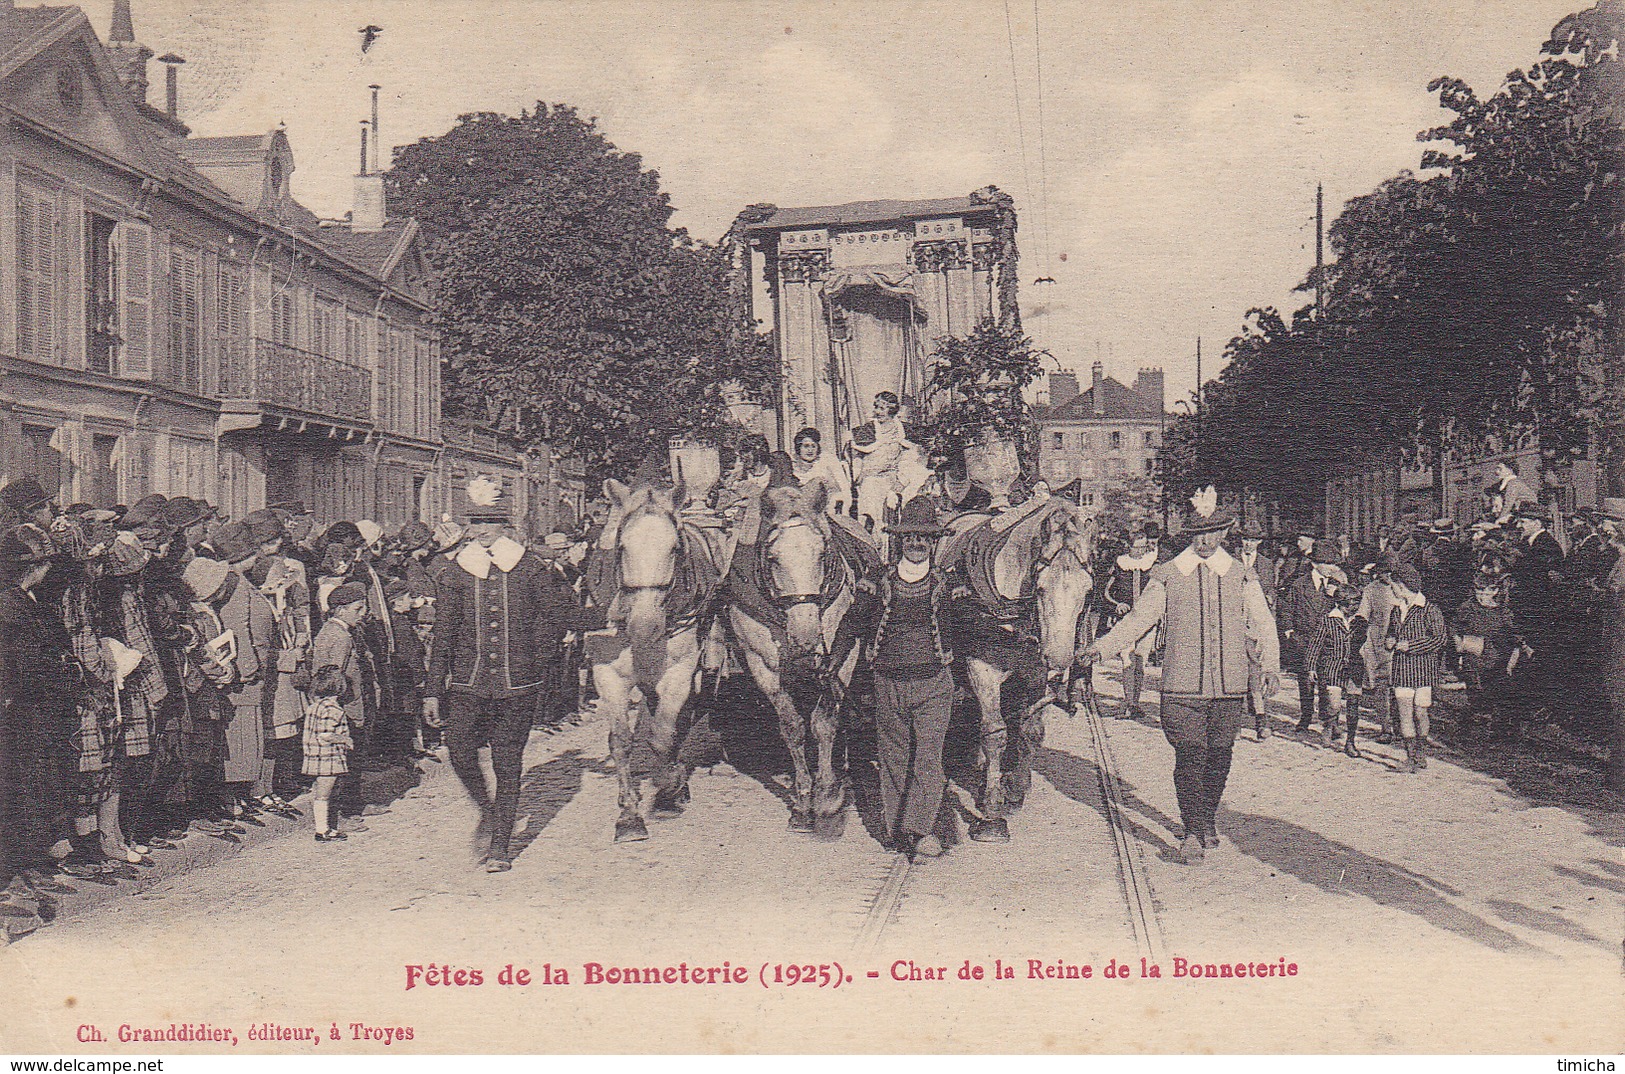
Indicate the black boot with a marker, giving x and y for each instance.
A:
(1349, 747)
(1421, 751)
(1411, 765)
(1385, 713)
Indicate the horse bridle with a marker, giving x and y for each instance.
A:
(785, 601)
(620, 551)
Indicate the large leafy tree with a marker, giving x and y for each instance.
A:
(1482, 300)
(572, 312)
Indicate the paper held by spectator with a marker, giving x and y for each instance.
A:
(121, 658)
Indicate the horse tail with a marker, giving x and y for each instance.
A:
(646, 631)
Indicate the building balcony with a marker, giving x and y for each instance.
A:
(284, 376)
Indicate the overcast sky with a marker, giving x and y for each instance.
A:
(1178, 151)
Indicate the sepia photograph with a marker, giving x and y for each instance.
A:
(718, 527)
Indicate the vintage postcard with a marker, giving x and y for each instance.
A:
(1004, 526)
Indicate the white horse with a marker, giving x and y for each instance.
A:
(1028, 576)
(661, 576)
(791, 580)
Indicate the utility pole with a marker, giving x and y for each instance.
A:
(1320, 245)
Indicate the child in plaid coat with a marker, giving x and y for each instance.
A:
(327, 743)
(1326, 660)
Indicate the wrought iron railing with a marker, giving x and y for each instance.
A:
(272, 372)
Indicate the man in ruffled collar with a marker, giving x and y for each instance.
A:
(500, 619)
(1211, 609)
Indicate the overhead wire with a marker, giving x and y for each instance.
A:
(1043, 163)
(1015, 84)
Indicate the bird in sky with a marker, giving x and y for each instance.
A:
(369, 36)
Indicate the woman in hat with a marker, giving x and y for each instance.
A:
(106, 614)
(245, 618)
(903, 617)
(38, 682)
(1130, 572)
(280, 579)
(1416, 637)
(1482, 627)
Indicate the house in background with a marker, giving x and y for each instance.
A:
(172, 320)
(1103, 436)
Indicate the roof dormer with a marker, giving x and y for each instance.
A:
(256, 169)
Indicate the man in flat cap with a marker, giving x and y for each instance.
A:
(1211, 609)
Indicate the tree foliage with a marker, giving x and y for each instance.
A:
(977, 383)
(572, 312)
(1481, 299)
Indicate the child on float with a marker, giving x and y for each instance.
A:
(327, 744)
(1416, 637)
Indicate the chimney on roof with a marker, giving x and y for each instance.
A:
(1097, 389)
(369, 212)
(172, 96)
(129, 58)
(1063, 388)
(123, 28)
(1148, 385)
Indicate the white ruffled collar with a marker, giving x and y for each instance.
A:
(1219, 562)
(505, 553)
(1127, 563)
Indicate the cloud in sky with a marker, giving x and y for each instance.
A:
(1181, 142)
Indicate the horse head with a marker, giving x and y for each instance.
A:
(1063, 580)
(647, 543)
(794, 551)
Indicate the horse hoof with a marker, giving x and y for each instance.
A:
(631, 831)
(801, 820)
(991, 831)
(667, 805)
(829, 828)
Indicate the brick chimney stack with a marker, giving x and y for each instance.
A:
(129, 58)
(1148, 383)
(1097, 390)
(1063, 388)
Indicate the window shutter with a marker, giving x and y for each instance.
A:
(36, 274)
(231, 329)
(70, 327)
(134, 241)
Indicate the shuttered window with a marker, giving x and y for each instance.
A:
(231, 332)
(134, 242)
(36, 274)
(186, 318)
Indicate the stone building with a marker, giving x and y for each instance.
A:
(857, 294)
(1101, 436)
(172, 320)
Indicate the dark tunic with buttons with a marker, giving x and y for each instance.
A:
(497, 637)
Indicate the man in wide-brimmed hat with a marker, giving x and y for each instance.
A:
(903, 619)
(1211, 609)
(24, 500)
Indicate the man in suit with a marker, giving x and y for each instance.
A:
(1264, 568)
(1305, 603)
(500, 620)
(1536, 604)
